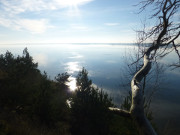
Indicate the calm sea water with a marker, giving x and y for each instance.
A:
(105, 64)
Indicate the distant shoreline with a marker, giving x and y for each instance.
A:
(68, 43)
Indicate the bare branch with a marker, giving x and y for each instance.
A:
(165, 33)
(176, 50)
(120, 112)
(175, 66)
(136, 61)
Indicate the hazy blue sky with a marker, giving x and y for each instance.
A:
(62, 21)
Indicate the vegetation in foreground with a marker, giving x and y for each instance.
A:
(32, 104)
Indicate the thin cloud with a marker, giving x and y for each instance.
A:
(19, 6)
(34, 26)
(67, 3)
(11, 13)
(111, 24)
(79, 27)
(5, 22)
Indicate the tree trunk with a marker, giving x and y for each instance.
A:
(137, 106)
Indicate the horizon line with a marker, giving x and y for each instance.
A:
(61, 43)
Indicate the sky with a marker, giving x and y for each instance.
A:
(69, 21)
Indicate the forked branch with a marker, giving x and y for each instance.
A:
(165, 33)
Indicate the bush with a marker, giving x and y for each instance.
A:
(90, 113)
(27, 94)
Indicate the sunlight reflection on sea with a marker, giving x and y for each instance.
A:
(104, 64)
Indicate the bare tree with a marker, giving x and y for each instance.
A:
(150, 83)
(164, 39)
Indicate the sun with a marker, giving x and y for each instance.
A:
(72, 6)
(71, 3)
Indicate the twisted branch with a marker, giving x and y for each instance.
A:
(166, 34)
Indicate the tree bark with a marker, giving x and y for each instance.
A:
(166, 32)
(120, 112)
(137, 106)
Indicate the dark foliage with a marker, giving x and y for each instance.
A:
(27, 95)
(31, 103)
(90, 114)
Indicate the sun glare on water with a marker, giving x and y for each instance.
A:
(72, 83)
